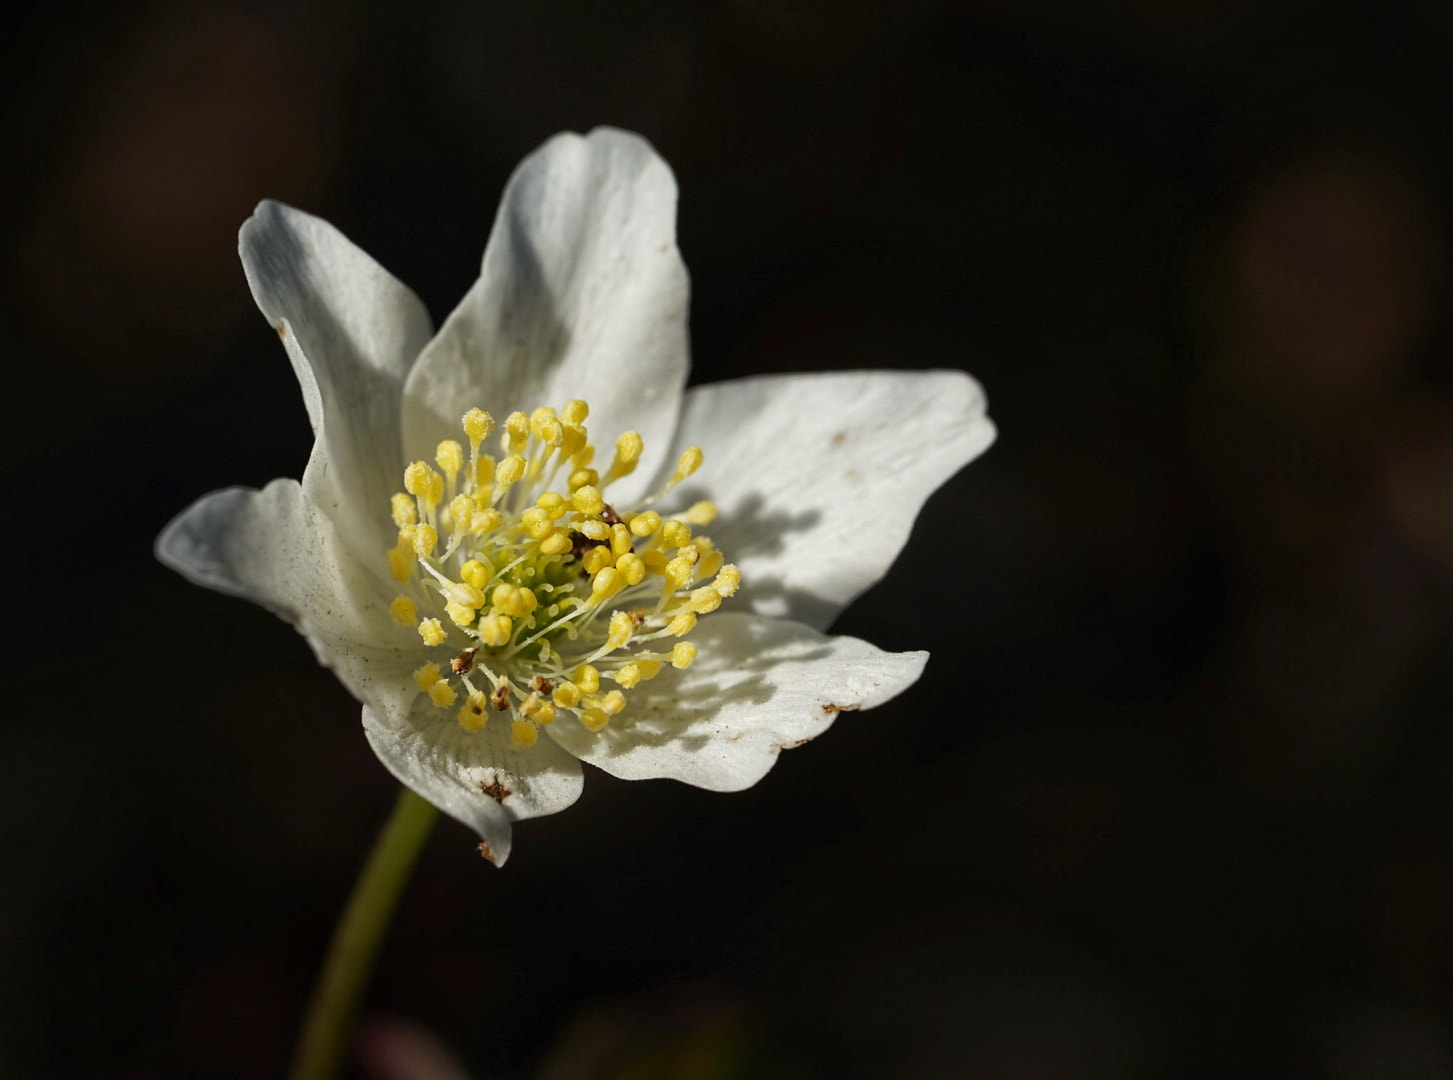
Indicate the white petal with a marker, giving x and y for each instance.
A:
(479, 778)
(352, 332)
(582, 294)
(759, 686)
(818, 477)
(276, 549)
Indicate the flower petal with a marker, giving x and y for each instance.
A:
(582, 294)
(760, 686)
(352, 332)
(818, 477)
(275, 548)
(479, 778)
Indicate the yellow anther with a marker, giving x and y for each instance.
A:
(594, 719)
(629, 447)
(450, 456)
(682, 624)
(474, 573)
(416, 478)
(516, 433)
(645, 524)
(632, 567)
(607, 583)
(687, 463)
(464, 594)
(494, 630)
(460, 614)
(554, 504)
(508, 599)
(461, 513)
(628, 454)
(654, 561)
(621, 629)
(728, 581)
(587, 678)
(691, 553)
(649, 669)
(710, 564)
(477, 426)
(613, 702)
(566, 695)
(582, 477)
(538, 709)
(484, 471)
(705, 600)
(403, 611)
(473, 714)
(405, 510)
(557, 543)
(573, 441)
(432, 631)
(485, 521)
(442, 694)
(595, 529)
(588, 500)
(674, 533)
(682, 655)
(400, 563)
(620, 539)
(425, 537)
(536, 523)
(596, 560)
(509, 470)
(575, 412)
(427, 676)
(628, 675)
(677, 573)
(524, 734)
(702, 513)
(545, 427)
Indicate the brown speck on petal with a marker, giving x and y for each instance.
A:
(496, 789)
(487, 852)
(833, 710)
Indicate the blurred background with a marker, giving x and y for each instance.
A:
(1175, 797)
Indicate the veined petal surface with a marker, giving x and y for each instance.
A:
(582, 294)
(479, 778)
(761, 686)
(818, 477)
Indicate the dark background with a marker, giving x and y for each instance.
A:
(1175, 797)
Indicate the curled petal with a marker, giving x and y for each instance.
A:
(352, 332)
(761, 686)
(275, 548)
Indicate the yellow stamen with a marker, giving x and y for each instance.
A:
(403, 611)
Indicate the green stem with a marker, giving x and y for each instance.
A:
(339, 989)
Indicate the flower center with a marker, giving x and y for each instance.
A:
(534, 599)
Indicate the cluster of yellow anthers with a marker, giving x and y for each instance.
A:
(541, 598)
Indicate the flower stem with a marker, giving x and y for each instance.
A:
(339, 989)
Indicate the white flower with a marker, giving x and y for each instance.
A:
(505, 616)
